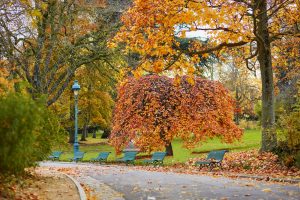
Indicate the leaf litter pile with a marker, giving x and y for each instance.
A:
(37, 184)
(250, 163)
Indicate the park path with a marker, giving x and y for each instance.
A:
(125, 182)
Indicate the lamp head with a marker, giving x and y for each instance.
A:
(75, 87)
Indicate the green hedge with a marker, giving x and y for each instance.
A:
(28, 131)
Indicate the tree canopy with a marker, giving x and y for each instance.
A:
(153, 110)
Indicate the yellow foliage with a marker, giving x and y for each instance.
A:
(177, 80)
(190, 80)
(6, 85)
(151, 27)
(36, 13)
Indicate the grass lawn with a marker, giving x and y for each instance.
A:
(250, 140)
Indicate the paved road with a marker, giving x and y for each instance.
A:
(137, 184)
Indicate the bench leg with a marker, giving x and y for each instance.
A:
(211, 166)
(220, 165)
(215, 164)
(102, 161)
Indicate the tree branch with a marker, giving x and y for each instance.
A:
(212, 49)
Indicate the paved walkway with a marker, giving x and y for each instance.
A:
(118, 182)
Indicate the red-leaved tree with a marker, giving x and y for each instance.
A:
(153, 110)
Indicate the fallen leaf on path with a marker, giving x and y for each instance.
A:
(267, 190)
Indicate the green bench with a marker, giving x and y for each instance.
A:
(55, 155)
(157, 158)
(78, 156)
(214, 158)
(129, 157)
(102, 157)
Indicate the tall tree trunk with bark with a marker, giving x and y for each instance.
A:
(84, 133)
(168, 145)
(169, 149)
(269, 139)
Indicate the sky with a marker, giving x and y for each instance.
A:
(192, 34)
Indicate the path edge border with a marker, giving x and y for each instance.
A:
(266, 178)
(80, 190)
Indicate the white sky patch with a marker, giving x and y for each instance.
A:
(192, 34)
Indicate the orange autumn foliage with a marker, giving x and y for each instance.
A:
(153, 110)
(152, 28)
(287, 58)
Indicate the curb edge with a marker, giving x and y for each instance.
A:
(78, 186)
(282, 180)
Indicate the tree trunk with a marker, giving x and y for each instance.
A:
(236, 118)
(71, 134)
(84, 133)
(106, 133)
(94, 134)
(237, 107)
(269, 139)
(169, 149)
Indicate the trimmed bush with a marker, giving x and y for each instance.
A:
(28, 131)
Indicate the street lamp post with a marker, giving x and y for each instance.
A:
(76, 88)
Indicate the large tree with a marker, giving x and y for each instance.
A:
(150, 29)
(153, 110)
(45, 42)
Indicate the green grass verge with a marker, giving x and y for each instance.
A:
(251, 140)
